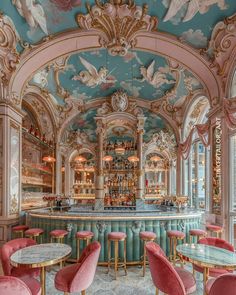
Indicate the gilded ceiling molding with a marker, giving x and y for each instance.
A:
(162, 142)
(118, 23)
(9, 58)
(41, 103)
(59, 65)
(222, 48)
(168, 46)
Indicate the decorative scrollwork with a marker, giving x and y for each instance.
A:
(118, 22)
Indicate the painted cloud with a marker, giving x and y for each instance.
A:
(195, 38)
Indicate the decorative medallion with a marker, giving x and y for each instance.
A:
(118, 22)
(119, 101)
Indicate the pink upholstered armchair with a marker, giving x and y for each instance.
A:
(224, 284)
(166, 278)
(11, 247)
(216, 242)
(15, 286)
(78, 277)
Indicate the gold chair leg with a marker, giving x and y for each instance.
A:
(175, 243)
(116, 258)
(190, 239)
(125, 257)
(66, 293)
(87, 242)
(109, 256)
(157, 291)
(51, 240)
(83, 292)
(78, 248)
(171, 249)
(144, 258)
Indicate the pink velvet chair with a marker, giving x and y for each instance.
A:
(79, 276)
(11, 247)
(224, 284)
(216, 242)
(166, 278)
(15, 286)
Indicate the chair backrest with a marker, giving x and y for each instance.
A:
(11, 247)
(12, 286)
(87, 265)
(224, 284)
(220, 243)
(164, 276)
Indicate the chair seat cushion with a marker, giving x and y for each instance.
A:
(176, 233)
(58, 233)
(147, 235)
(34, 231)
(84, 234)
(213, 227)
(64, 277)
(187, 279)
(213, 272)
(116, 235)
(20, 272)
(33, 284)
(20, 227)
(197, 232)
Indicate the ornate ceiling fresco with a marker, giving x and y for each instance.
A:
(76, 84)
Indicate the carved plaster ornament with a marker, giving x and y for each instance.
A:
(9, 57)
(164, 141)
(60, 65)
(156, 79)
(119, 101)
(104, 109)
(193, 7)
(33, 13)
(41, 78)
(92, 77)
(118, 23)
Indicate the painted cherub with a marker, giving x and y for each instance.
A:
(91, 77)
(156, 79)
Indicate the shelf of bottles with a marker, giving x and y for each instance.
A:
(36, 175)
(120, 178)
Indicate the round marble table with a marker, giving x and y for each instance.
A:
(41, 256)
(207, 257)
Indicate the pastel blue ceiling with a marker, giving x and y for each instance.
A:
(60, 16)
(122, 73)
(86, 123)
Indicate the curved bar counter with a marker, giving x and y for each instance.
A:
(101, 223)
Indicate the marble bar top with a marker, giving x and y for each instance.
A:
(80, 214)
(208, 256)
(40, 255)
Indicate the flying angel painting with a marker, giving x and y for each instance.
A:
(194, 6)
(33, 13)
(156, 79)
(92, 77)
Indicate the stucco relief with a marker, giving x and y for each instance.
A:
(9, 57)
(119, 24)
(163, 141)
(14, 169)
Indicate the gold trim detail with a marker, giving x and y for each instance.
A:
(118, 23)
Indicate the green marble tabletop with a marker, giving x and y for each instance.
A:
(208, 256)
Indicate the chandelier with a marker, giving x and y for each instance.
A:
(49, 159)
(155, 158)
(107, 158)
(133, 159)
(80, 159)
(120, 150)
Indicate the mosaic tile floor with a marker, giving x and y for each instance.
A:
(132, 284)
